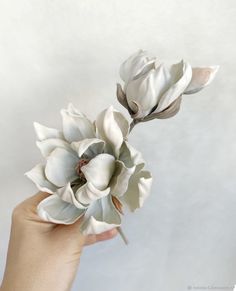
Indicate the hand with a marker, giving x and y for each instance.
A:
(43, 256)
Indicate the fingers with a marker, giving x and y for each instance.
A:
(27, 208)
(36, 199)
(91, 239)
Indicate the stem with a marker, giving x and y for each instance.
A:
(122, 235)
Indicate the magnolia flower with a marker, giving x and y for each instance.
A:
(90, 170)
(153, 90)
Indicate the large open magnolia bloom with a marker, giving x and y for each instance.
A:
(153, 90)
(90, 170)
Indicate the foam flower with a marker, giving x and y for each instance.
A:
(90, 170)
(153, 90)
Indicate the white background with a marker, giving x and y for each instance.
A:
(53, 52)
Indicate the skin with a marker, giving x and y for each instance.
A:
(43, 256)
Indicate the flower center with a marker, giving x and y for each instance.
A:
(78, 167)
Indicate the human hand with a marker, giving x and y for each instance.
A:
(43, 256)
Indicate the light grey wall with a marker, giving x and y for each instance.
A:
(53, 52)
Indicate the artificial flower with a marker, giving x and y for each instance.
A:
(153, 90)
(90, 170)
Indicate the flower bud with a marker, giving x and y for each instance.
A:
(153, 90)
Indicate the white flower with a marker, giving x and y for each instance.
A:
(153, 90)
(90, 169)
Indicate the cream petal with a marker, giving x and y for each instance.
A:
(201, 77)
(120, 179)
(49, 145)
(54, 209)
(44, 132)
(76, 126)
(100, 216)
(170, 111)
(137, 111)
(138, 190)
(66, 194)
(121, 97)
(88, 193)
(113, 128)
(99, 170)
(37, 175)
(89, 147)
(181, 77)
(60, 167)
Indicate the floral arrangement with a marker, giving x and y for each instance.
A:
(90, 168)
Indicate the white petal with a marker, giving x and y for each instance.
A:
(138, 190)
(122, 122)
(55, 210)
(48, 145)
(66, 193)
(88, 193)
(89, 147)
(130, 156)
(127, 68)
(76, 126)
(44, 132)
(144, 70)
(135, 65)
(37, 175)
(100, 216)
(113, 128)
(161, 80)
(60, 167)
(201, 78)
(99, 170)
(181, 77)
(72, 110)
(143, 91)
(120, 179)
